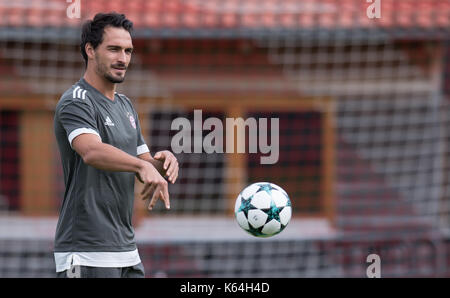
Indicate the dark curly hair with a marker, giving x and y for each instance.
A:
(93, 30)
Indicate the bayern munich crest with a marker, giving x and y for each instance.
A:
(133, 123)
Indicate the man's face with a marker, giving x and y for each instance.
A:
(113, 55)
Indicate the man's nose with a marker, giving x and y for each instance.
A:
(122, 57)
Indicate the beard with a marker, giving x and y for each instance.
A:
(113, 79)
(102, 70)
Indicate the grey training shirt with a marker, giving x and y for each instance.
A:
(96, 212)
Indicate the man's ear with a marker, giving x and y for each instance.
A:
(89, 50)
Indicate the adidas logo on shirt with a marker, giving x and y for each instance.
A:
(108, 121)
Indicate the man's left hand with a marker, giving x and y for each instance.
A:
(170, 165)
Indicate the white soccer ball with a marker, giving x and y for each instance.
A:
(263, 209)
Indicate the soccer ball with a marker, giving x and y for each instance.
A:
(263, 209)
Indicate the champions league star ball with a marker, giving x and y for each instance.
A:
(263, 209)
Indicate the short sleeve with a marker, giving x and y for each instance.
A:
(78, 118)
(141, 145)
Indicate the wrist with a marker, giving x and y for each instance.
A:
(141, 164)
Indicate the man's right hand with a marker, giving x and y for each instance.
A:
(155, 186)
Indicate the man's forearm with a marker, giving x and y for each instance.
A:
(109, 158)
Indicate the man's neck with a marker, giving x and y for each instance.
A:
(102, 85)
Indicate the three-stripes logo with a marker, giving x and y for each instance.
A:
(79, 93)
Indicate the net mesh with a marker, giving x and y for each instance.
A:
(363, 109)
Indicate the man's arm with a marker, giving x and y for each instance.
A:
(109, 158)
(165, 162)
(104, 156)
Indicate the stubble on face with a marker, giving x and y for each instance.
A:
(111, 64)
(102, 70)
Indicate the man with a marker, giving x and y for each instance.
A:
(102, 149)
